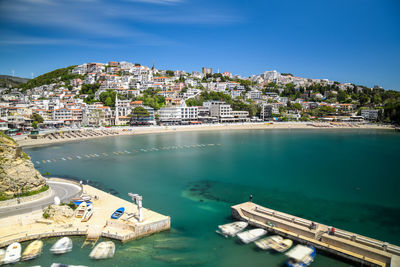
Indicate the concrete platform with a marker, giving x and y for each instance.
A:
(354, 247)
(30, 226)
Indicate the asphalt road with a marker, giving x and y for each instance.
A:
(63, 190)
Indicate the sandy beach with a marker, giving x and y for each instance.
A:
(27, 142)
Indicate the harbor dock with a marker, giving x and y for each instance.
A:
(31, 226)
(341, 243)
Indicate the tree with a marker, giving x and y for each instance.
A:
(108, 98)
(35, 124)
(296, 106)
(169, 73)
(140, 113)
(342, 96)
(37, 118)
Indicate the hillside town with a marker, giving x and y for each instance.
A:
(123, 93)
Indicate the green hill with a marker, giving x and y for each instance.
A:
(11, 81)
(63, 74)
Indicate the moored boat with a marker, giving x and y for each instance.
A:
(82, 198)
(265, 243)
(13, 253)
(88, 213)
(33, 250)
(231, 229)
(251, 235)
(81, 210)
(103, 250)
(300, 256)
(282, 245)
(118, 213)
(63, 245)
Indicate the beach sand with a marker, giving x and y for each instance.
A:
(27, 142)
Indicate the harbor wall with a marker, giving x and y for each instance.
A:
(344, 244)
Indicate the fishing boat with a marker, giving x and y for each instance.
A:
(88, 213)
(13, 253)
(300, 256)
(62, 246)
(282, 245)
(231, 229)
(265, 243)
(81, 210)
(103, 250)
(118, 213)
(2, 254)
(33, 250)
(251, 235)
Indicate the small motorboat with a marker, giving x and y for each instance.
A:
(265, 243)
(301, 256)
(88, 213)
(103, 250)
(62, 246)
(65, 265)
(118, 213)
(13, 253)
(251, 235)
(81, 210)
(82, 198)
(231, 229)
(282, 245)
(33, 250)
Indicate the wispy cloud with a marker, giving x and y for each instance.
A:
(117, 22)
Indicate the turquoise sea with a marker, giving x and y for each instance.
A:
(345, 178)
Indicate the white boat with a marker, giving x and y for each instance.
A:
(33, 250)
(88, 213)
(65, 265)
(13, 253)
(2, 254)
(282, 245)
(62, 246)
(265, 243)
(103, 250)
(81, 210)
(300, 256)
(251, 235)
(231, 229)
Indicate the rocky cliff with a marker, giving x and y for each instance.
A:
(17, 172)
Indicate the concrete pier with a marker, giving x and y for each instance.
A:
(29, 226)
(351, 246)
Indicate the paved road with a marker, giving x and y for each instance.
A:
(61, 189)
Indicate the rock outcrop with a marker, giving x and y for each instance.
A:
(57, 213)
(17, 172)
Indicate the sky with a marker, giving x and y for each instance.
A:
(354, 41)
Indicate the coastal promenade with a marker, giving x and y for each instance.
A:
(32, 225)
(351, 246)
(26, 141)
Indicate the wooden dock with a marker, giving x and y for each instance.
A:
(351, 246)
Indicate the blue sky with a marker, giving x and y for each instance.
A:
(344, 40)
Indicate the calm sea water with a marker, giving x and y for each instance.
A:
(347, 178)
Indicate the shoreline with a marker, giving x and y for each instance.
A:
(124, 131)
(31, 225)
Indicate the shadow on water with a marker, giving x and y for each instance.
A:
(371, 220)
